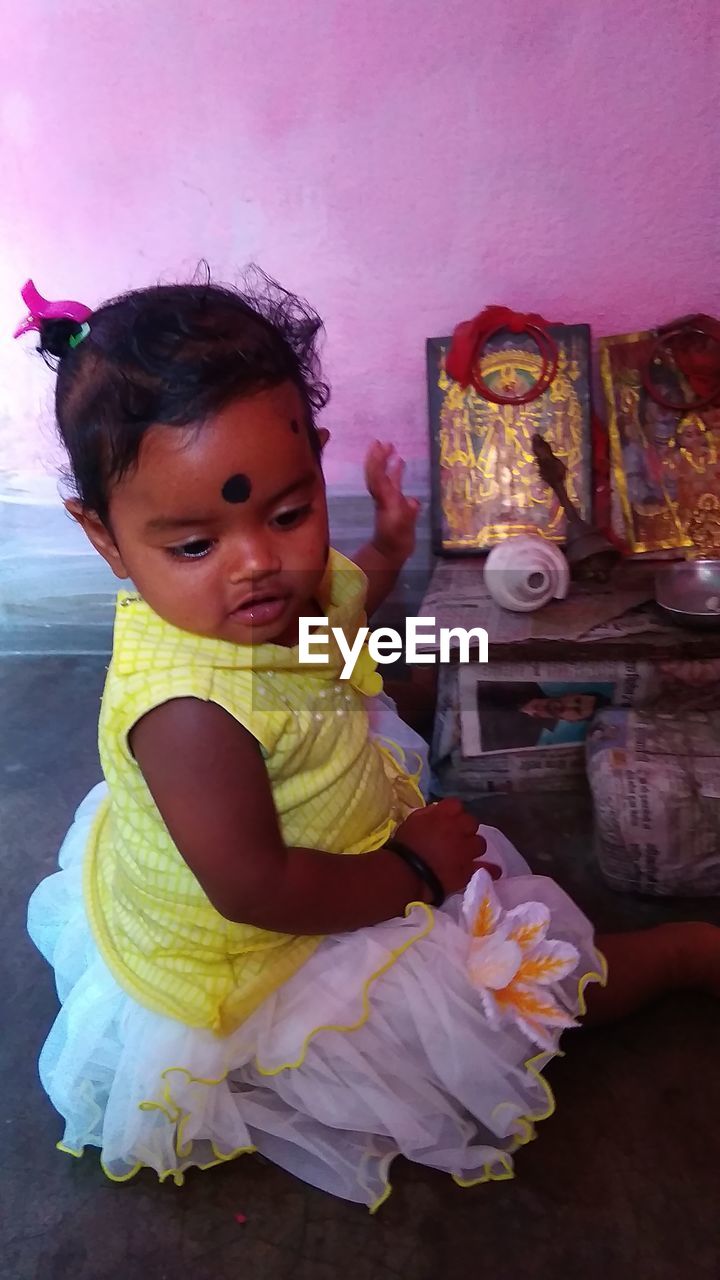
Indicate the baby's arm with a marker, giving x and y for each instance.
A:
(393, 540)
(209, 781)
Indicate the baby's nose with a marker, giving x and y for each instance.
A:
(256, 558)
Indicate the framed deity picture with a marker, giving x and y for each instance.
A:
(662, 397)
(484, 478)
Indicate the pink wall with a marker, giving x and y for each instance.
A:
(401, 162)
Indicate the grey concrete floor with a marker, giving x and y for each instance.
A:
(623, 1181)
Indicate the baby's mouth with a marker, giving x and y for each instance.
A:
(260, 610)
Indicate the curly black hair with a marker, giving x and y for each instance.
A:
(173, 354)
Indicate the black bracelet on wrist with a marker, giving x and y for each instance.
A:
(421, 869)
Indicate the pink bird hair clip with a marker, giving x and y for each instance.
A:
(40, 309)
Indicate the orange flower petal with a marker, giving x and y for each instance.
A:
(526, 935)
(484, 921)
(529, 1004)
(548, 965)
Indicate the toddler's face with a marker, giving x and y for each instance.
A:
(223, 527)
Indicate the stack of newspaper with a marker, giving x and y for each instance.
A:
(655, 780)
(514, 726)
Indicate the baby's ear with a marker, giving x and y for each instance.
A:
(100, 536)
(323, 436)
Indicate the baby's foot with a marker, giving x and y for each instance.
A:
(695, 951)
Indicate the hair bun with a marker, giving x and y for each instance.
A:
(55, 337)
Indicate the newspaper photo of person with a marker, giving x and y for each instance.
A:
(520, 715)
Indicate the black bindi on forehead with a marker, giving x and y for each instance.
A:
(294, 426)
(237, 489)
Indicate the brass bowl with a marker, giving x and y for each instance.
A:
(688, 591)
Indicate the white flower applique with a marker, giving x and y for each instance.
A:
(513, 963)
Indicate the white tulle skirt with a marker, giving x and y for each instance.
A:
(424, 1036)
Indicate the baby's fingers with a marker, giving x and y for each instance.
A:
(395, 468)
(376, 477)
(467, 826)
(450, 805)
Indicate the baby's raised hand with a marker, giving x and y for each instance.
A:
(395, 515)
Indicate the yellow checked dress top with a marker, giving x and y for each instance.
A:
(334, 789)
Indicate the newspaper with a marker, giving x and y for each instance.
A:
(523, 726)
(453, 773)
(637, 621)
(458, 597)
(545, 706)
(482, 740)
(655, 779)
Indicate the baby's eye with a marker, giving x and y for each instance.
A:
(293, 515)
(194, 550)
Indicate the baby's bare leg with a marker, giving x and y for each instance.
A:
(642, 966)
